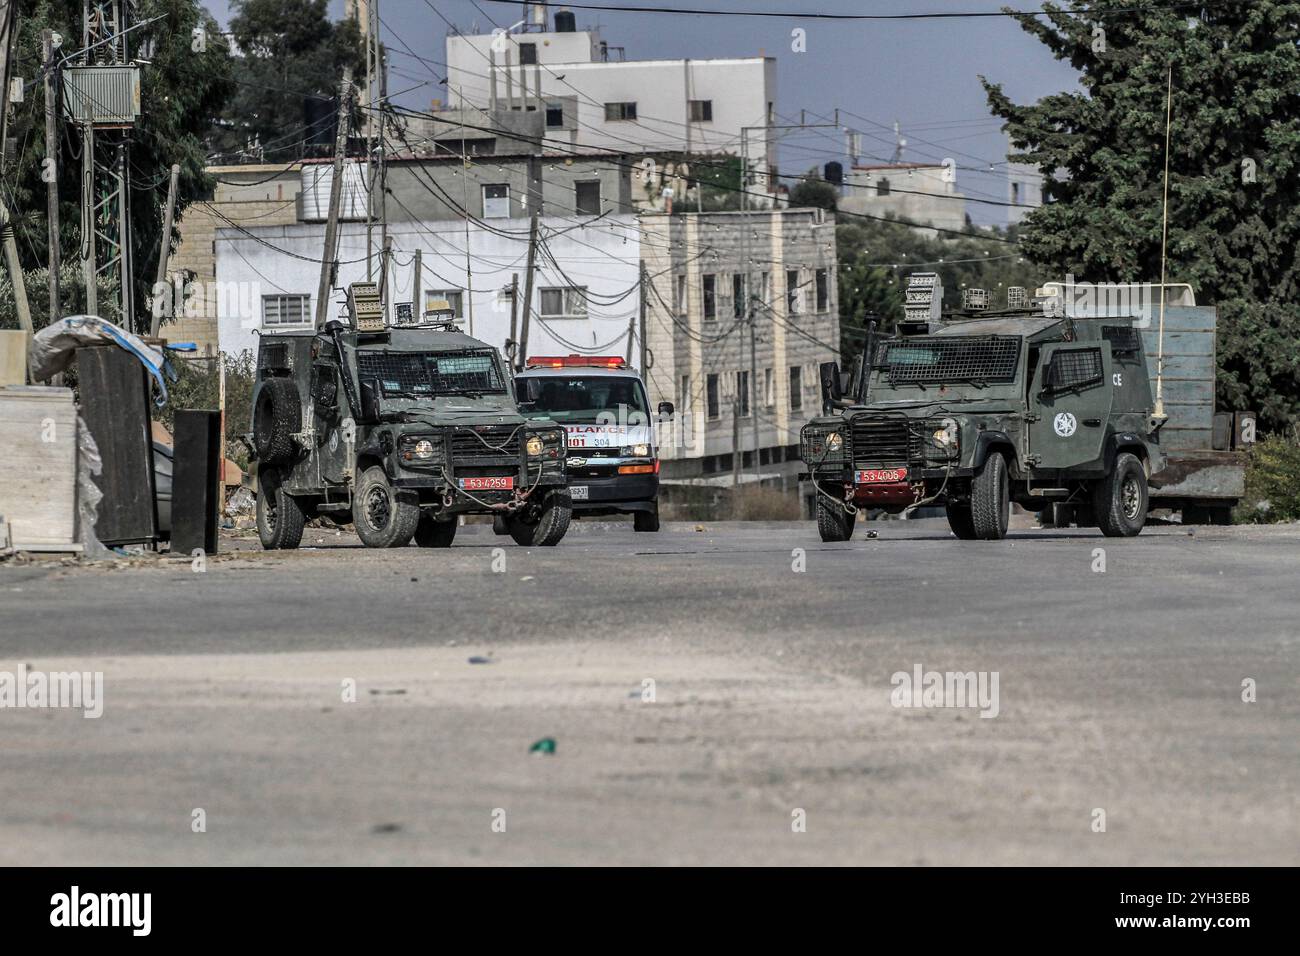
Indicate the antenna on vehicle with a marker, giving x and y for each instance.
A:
(1164, 240)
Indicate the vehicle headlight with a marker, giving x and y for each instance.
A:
(641, 450)
(423, 449)
(946, 435)
(534, 445)
(834, 442)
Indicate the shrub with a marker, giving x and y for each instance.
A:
(1273, 480)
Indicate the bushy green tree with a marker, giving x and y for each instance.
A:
(1234, 169)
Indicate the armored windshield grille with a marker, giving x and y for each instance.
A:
(1076, 368)
(432, 373)
(1122, 339)
(984, 358)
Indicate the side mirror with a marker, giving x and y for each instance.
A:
(370, 402)
(832, 385)
(666, 410)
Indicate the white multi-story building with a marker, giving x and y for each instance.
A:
(594, 98)
(917, 193)
(1024, 191)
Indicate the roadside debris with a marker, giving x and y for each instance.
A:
(480, 660)
(544, 746)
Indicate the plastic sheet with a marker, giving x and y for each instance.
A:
(89, 465)
(54, 347)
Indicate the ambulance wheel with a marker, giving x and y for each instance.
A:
(646, 520)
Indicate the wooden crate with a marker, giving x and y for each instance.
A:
(38, 470)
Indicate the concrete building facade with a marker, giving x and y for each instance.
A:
(914, 192)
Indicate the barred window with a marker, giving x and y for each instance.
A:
(286, 311)
(1122, 339)
(1074, 368)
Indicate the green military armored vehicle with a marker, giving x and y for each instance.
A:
(976, 413)
(398, 431)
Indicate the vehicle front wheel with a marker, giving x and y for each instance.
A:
(1120, 499)
(646, 520)
(960, 520)
(547, 526)
(432, 533)
(384, 517)
(990, 499)
(280, 517)
(833, 522)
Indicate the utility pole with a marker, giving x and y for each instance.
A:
(8, 16)
(644, 296)
(52, 170)
(522, 356)
(88, 217)
(165, 246)
(417, 279)
(384, 258)
(329, 255)
(513, 342)
(735, 435)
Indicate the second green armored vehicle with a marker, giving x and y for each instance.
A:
(977, 413)
(398, 431)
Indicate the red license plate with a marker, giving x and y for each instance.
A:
(487, 484)
(874, 475)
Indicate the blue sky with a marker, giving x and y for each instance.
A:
(921, 73)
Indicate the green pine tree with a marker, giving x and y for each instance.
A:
(1234, 169)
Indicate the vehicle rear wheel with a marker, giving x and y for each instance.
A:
(500, 525)
(646, 520)
(384, 516)
(960, 520)
(833, 522)
(276, 417)
(548, 527)
(1120, 499)
(990, 499)
(432, 533)
(280, 517)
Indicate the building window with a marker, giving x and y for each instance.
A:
(765, 288)
(588, 198)
(679, 295)
(568, 302)
(701, 111)
(496, 201)
(793, 294)
(882, 186)
(619, 111)
(742, 394)
(527, 54)
(710, 298)
(714, 405)
(684, 402)
(769, 388)
(796, 388)
(554, 115)
(453, 297)
(823, 290)
(738, 303)
(286, 311)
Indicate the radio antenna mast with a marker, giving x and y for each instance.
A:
(1164, 242)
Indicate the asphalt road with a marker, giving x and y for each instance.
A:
(771, 736)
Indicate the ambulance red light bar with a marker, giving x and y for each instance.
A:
(576, 361)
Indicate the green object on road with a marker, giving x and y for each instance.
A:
(544, 746)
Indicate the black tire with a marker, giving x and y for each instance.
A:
(646, 520)
(1120, 500)
(500, 525)
(960, 520)
(990, 499)
(277, 416)
(833, 522)
(280, 518)
(432, 533)
(548, 527)
(384, 517)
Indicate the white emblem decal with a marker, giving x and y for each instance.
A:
(1065, 424)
